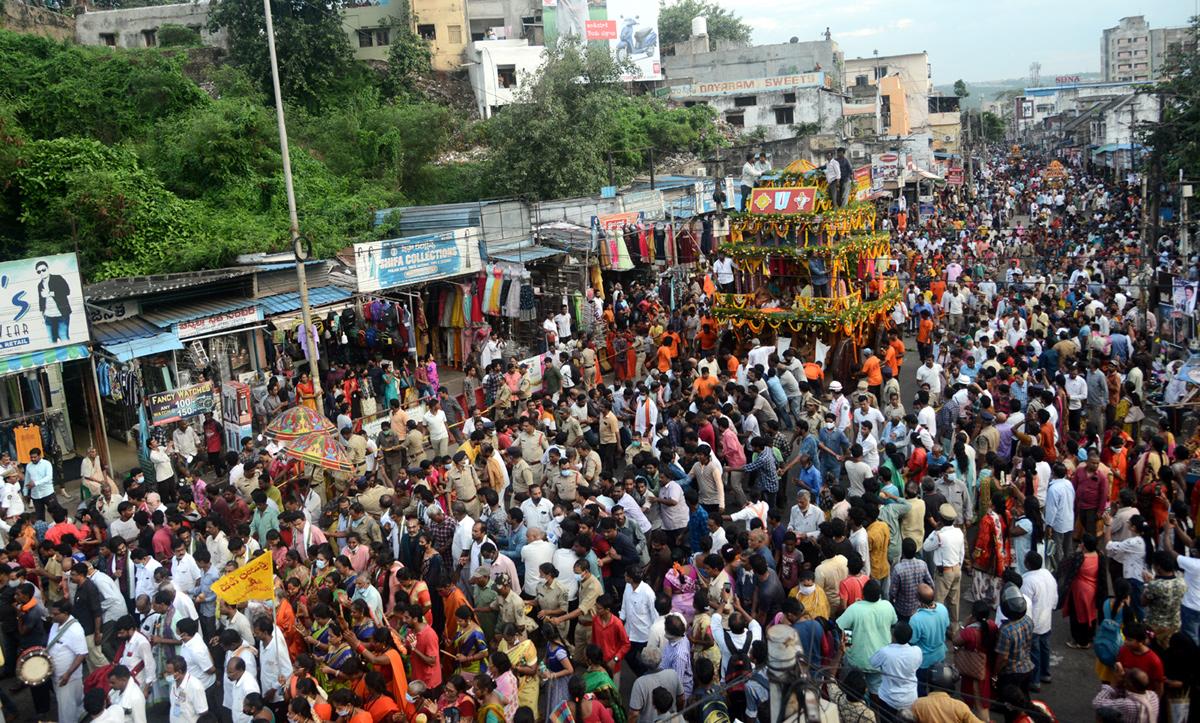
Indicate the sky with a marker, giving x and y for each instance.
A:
(968, 39)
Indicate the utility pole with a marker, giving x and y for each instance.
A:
(301, 251)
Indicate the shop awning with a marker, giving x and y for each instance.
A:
(41, 358)
(931, 176)
(168, 316)
(134, 337)
(522, 252)
(288, 303)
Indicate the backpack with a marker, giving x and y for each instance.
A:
(739, 668)
(1108, 640)
(831, 640)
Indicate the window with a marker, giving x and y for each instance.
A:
(366, 39)
(880, 72)
(785, 116)
(1139, 66)
(148, 37)
(860, 80)
(745, 101)
(454, 32)
(738, 121)
(383, 36)
(109, 39)
(507, 76)
(427, 32)
(789, 97)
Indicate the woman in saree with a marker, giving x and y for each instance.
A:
(506, 684)
(580, 706)
(558, 667)
(599, 683)
(455, 695)
(522, 653)
(680, 584)
(337, 654)
(307, 392)
(1081, 573)
(470, 647)
(362, 623)
(390, 389)
(321, 569)
(490, 708)
(990, 556)
(976, 639)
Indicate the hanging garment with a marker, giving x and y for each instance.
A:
(512, 308)
(487, 292)
(494, 296)
(643, 245)
(528, 313)
(660, 244)
(466, 293)
(458, 319)
(27, 438)
(672, 252)
(310, 342)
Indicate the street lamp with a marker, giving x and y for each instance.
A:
(300, 246)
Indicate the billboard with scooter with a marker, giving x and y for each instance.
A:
(629, 28)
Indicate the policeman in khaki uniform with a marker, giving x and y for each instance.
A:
(566, 482)
(463, 479)
(533, 443)
(589, 463)
(413, 445)
(521, 474)
(569, 424)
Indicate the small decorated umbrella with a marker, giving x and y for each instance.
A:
(297, 422)
(320, 449)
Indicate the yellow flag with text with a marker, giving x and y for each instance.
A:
(253, 581)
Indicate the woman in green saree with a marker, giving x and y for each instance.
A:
(600, 683)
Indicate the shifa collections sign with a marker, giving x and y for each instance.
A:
(41, 305)
(406, 261)
(628, 27)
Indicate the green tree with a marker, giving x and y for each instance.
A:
(171, 35)
(675, 21)
(1174, 140)
(993, 127)
(803, 130)
(408, 58)
(315, 57)
(960, 88)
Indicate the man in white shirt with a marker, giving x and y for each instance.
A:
(186, 441)
(240, 684)
(562, 323)
(274, 662)
(436, 430)
(187, 698)
(538, 510)
(536, 552)
(144, 567)
(645, 419)
(67, 647)
(638, 614)
(124, 526)
(750, 176)
(124, 692)
(461, 542)
(738, 630)
(10, 496)
(948, 546)
(199, 659)
(1040, 587)
(184, 570)
(723, 268)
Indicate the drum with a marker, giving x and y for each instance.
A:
(35, 667)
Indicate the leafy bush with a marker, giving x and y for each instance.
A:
(171, 35)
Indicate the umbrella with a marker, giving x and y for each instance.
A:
(320, 449)
(297, 422)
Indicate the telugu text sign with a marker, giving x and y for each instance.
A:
(209, 324)
(41, 304)
(167, 407)
(752, 85)
(252, 581)
(783, 200)
(954, 176)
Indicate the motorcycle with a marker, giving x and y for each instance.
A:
(634, 41)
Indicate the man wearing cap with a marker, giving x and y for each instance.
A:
(840, 408)
(532, 443)
(948, 546)
(389, 442)
(463, 479)
(988, 439)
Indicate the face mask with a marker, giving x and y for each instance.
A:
(343, 713)
(559, 518)
(409, 698)
(807, 589)
(139, 565)
(829, 426)
(321, 564)
(637, 444)
(449, 466)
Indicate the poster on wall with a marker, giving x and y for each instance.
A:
(1184, 294)
(629, 28)
(41, 305)
(405, 261)
(862, 183)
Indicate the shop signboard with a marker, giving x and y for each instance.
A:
(886, 168)
(750, 85)
(954, 176)
(209, 324)
(926, 210)
(535, 370)
(177, 404)
(113, 311)
(41, 305)
(628, 28)
(406, 261)
(612, 221)
(648, 203)
(783, 200)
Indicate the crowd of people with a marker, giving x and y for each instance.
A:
(611, 548)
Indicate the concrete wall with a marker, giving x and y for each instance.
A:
(128, 27)
(21, 18)
(728, 61)
(451, 33)
(912, 73)
(482, 14)
(371, 20)
(808, 105)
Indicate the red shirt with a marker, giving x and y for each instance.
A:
(850, 589)
(601, 547)
(427, 643)
(611, 638)
(1148, 661)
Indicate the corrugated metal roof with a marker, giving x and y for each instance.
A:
(121, 330)
(434, 218)
(288, 303)
(287, 265)
(170, 315)
(131, 286)
(523, 254)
